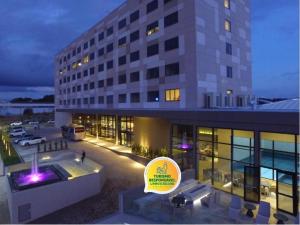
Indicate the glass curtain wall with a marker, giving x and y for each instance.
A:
(182, 146)
(222, 154)
(88, 121)
(107, 128)
(126, 125)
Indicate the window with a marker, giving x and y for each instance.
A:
(101, 100)
(78, 50)
(110, 64)
(85, 101)
(171, 44)
(135, 76)
(85, 73)
(74, 89)
(134, 36)
(92, 85)
(122, 42)
(122, 98)
(86, 87)
(228, 49)
(167, 1)
(227, 25)
(92, 100)
(110, 47)
(110, 31)
(172, 69)
(229, 92)
(152, 50)
(92, 41)
(74, 77)
(109, 82)
(74, 65)
(122, 79)
(92, 56)
(229, 71)
(86, 59)
(110, 99)
(78, 101)
(134, 56)
(78, 88)
(134, 16)
(239, 101)
(227, 4)
(92, 70)
(100, 83)
(101, 36)
(122, 23)
(69, 56)
(135, 97)
(74, 52)
(69, 67)
(100, 52)
(153, 73)
(152, 28)
(122, 60)
(152, 6)
(153, 96)
(101, 67)
(85, 45)
(171, 19)
(172, 95)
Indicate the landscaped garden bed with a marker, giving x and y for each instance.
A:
(8, 153)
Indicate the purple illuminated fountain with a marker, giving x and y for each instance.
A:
(184, 145)
(36, 176)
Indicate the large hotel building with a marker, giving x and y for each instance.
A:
(176, 75)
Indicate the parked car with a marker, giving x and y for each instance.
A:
(17, 123)
(17, 133)
(33, 141)
(33, 123)
(51, 122)
(22, 138)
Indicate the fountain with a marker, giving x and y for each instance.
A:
(36, 176)
(184, 145)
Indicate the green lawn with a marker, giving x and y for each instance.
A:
(8, 153)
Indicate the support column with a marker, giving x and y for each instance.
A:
(256, 148)
(196, 159)
(117, 130)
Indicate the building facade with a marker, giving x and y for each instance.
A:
(175, 76)
(176, 54)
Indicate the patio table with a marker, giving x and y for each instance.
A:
(280, 218)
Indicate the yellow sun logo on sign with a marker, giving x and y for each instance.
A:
(162, 175)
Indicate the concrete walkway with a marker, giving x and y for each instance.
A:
(122, 218)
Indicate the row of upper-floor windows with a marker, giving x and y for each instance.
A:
(171, 95)
(153, 49)
(151, 28)
(151, 73)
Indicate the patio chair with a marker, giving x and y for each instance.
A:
(235, 208)
(263, 215)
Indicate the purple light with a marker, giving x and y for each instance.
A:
(184, 146)
(34, 178)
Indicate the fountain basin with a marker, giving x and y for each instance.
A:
(25, 179)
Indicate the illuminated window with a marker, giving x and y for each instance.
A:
(152, 28)
(227, 4)
(172, 95)
(74, 65)
(86, 59)
(227, 25)
(229, 92)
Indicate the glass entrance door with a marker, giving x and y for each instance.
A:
(251, 184)
(286, 193)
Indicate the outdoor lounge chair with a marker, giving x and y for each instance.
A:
(263, 215)
(235, 207)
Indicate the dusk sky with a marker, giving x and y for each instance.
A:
(33, 31)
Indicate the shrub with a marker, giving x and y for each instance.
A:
(163, 152)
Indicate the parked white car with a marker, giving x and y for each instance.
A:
(33, 141)
(17, 133)
(22, 138)
(18, 123)
(33, 123)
